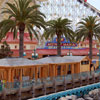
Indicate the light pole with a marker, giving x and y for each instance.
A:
(34, 54)
(88, 53)
(98, 54)
(24, 53)
(69, 53)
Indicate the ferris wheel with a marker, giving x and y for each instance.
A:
(74, 10)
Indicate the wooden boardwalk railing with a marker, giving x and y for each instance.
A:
(47, 86)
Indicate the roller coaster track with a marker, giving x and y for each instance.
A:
(88, 5)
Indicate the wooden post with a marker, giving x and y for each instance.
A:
(40, 72)
(20, 75)
(56, 71)
(78, 66)
(31, 73)
(36, 72)
(12, 75)
(50, 71)
(46, 67)
(15, 73)
(9, 75)
(66, 69)
(16, 70)
(5, 75)
(72, 68)
(48, 75)
(45, 72)
(61, 70)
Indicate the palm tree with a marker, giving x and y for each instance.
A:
(59, 27)
(22, 14)
(87, 29)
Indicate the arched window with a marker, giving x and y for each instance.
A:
(15, 46)
(24, 47)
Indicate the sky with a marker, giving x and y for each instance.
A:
(95, 3)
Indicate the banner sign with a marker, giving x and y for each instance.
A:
(64, 44)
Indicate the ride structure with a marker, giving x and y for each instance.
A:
(74, 10)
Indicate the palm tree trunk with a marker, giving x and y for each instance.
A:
(90, 47)
(21, 39)
(59, 45)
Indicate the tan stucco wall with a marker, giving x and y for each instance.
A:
(28, 46)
